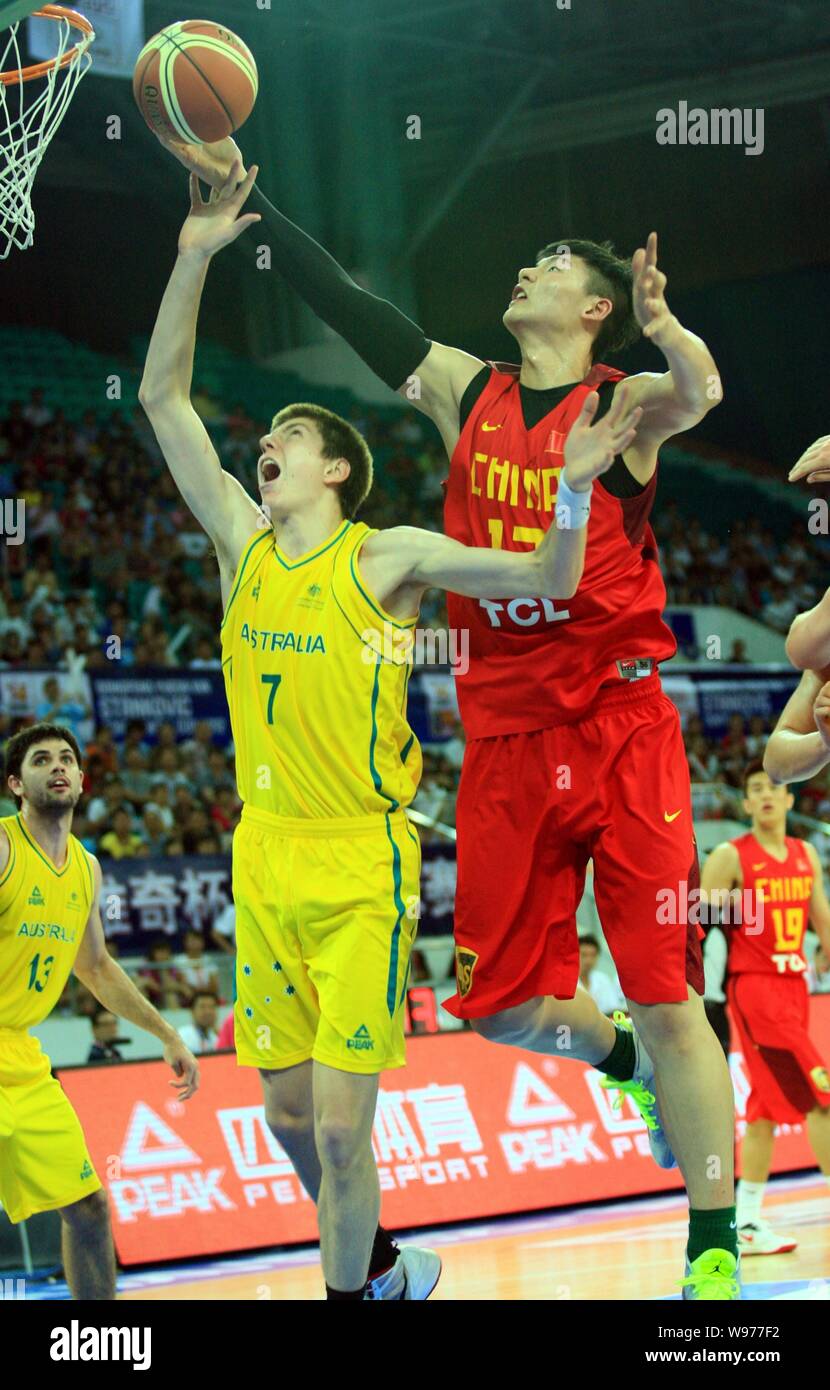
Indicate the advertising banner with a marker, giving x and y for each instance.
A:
(466, 1129)
(144, 898)
(764, 695)
(182, 698)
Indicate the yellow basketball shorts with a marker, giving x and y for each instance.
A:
(44, 1160)
(326, 914)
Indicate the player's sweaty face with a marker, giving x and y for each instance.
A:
(764, 801)
(47, 764)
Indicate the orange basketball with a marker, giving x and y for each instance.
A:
(196, 81)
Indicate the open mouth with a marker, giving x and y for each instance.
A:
(58, 785)
(518, 293)
(269, 471)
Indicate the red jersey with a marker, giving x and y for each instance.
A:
(538, 662)
(785, 888)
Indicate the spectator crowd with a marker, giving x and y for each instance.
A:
(115, 567)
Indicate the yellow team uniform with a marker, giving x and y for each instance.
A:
(44, 1160)
(326, 865)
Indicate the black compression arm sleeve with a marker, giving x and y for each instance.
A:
(390, 343)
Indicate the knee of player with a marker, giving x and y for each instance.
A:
(341, 1142)
(289, 1124)
(90, 1213)
(670, 1026)
(512, 1026)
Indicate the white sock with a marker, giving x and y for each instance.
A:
(749, 1197)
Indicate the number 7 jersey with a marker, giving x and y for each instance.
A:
(316, 676)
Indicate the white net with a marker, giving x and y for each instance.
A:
(30, 113)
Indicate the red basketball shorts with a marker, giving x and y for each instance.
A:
(533, 808)
(771, 1017)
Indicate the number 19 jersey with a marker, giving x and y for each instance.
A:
(316, 675)
(782, 889)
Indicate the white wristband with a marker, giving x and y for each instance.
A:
(572, 508)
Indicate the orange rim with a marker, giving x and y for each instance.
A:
(78, 21)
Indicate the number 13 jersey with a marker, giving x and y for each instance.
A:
(43, 914)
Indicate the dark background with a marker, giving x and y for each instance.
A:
(537, 124)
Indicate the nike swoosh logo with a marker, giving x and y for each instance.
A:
(487, 427)
(673, 815)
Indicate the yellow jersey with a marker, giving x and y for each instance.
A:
(316, 676)
(43, 913)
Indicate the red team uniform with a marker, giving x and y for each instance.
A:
(573, 750)
(767, 987)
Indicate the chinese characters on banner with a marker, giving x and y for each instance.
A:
(465, 1130)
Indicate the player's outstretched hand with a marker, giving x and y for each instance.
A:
(590, 449)
(184, 1064)
(211, 163)
(821, 713)
(648, 292)
(212, 225)
(814, 464)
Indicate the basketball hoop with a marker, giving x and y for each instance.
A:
(27, 125)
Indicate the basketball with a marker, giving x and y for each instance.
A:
(195, 81)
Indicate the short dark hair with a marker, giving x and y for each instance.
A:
(340, 440)
(611, 276)
(589, 940)
(751, 770)
(20, 743)
(204, 994)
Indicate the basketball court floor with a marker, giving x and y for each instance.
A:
(619, 1251)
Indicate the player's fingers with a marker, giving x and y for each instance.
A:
(655, 324)
(651, 248)
(229, 186)
(619, 404)
(819, 451)
(243, 223)
(620, 441)
(807, 469)
(247, 184)
(589, 408)
(627, 419)
(196, 199)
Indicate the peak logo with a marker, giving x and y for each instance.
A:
(532, 1102)
(150, 1144)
